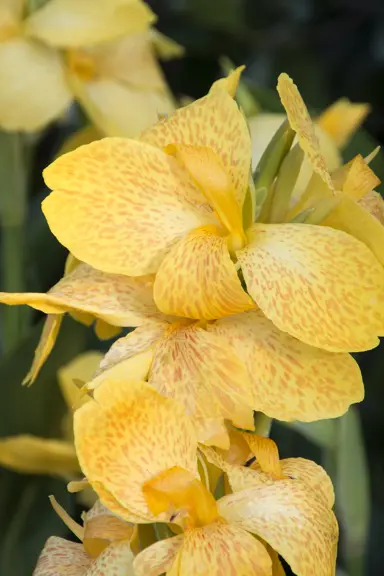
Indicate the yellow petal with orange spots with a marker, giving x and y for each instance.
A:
(61, 556)
(292, 519)
(127, 435)
(290, 379)
(318, 284)
(116, 559)
(197, 279)
(213, 121)
(301, 123)
(267, 454)
(202, 372)
(184, 499)
(66, 23)
(342, 119)
(158, 558)
(374, 204)
(44, 348)
(355, 178)
(80, 369)
(116, 299)
(32, 455)
(101, 528)
(120, 205)
(221, 548)
(356, 220)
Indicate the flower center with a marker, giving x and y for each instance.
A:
(81, 64)
(209, 174)
(186, 500)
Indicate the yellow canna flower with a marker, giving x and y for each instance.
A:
(105, 543)
(102, 52)
(138, 451)
(171, 204)
(56, 457)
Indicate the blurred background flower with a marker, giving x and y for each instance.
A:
(71, 71)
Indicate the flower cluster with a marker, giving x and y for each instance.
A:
(247, 298)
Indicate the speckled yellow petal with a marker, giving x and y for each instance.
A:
(114, 298)
(219, 549)
(374, 204)
(353, 218)
(313, 475)
(267, 454)
(292, 519)
(201, 371)
(214, 121)
(158, 558)
(197, 279)
(301, 123)
(80, 369)
(44, 348)
(119, 109)
(318, 284)
(291, 380)
(127, 435)
(32, 455)
(101, 528)
(355, 178)
(66, 23)
(116, 559)
(342, 119)
(131, 356)
(103, 208)
(61, 556)
(33, 86)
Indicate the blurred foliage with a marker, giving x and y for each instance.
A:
(332, 48)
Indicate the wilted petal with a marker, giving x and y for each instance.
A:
(127, 435)
(61, 556)
(201, 371)
(197, 278)
(32, 455)
(342, 119)
(292, 519)
(33, 86)
(214, 121)
(219, 549)
(158, 558)
(116, 299)
(316, 283)
(66, 23)
(44, 348)
(291, 380)
(103, 207)
(116, 559)
(301, 123)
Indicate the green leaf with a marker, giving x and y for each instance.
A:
(322, 432)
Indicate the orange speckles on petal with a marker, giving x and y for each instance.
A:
(318, 284)
(61, 556)
(156, 559)
(198, 279)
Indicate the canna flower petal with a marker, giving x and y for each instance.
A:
(45, 346)
(33, 85)
(320, 285)
(66, 23)
(80, 369)
(374, 204)
(301, 123)
(101, 528)
(116, 559)
(32, 455)
(157, 558)
(114, 223)
(292, 519)
(201, 371)
(61, 556)
(197, 278)
(290, 379)
(342, 119)
(221, 548)
(114, 442)
(213, 121)
(116, 299)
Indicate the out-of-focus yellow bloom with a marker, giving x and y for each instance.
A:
(172, 203)
(138, 451)
(33, 455)
(105, 545)
(101, 52)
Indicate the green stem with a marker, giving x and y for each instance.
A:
(12, 212)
